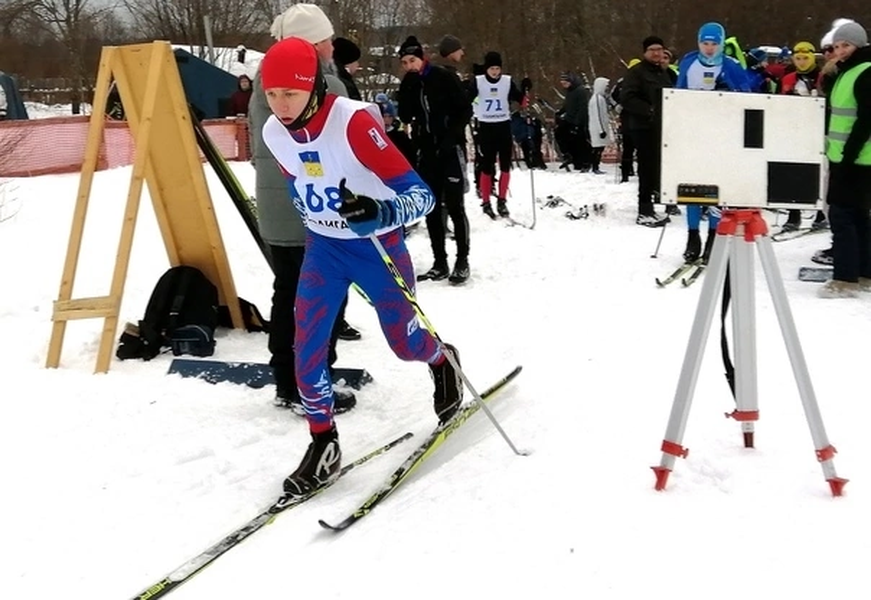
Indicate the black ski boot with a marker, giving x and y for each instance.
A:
(694, 246)
(448, 393)
(438, 272)
(709, 246)
(348, 333)
(488, 210)
(460, 273)
(319, 466)
(343, 401)
(501, 207)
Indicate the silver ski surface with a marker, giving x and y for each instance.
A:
(692, 277)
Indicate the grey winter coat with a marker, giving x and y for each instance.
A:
(280, 223)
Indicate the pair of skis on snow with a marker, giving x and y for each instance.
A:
(574, 213)
(688, 273)
(416, 458)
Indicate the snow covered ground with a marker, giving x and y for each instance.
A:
(111, 481)
(37, 110)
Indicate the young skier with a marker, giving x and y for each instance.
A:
(349, 182)
(708, 69)
(497, 96)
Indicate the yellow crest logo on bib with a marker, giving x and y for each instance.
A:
(311, 162)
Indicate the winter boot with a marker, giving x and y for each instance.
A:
(438, 272)
(448, 393)
(348, 333)
(460, 273)
(823, 257)
(793, 221)
(501, 207)
(651, 220)
(319, 466)
(488, 210)
(694, 246)
(343, 401)
(709, 246)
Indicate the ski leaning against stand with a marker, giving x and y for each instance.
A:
(329, 146)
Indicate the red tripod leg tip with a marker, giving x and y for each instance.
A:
(661, 477)
(837, 484)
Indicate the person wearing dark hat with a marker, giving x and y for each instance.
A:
(346, 56)
(350, 183)
(451, 49)
(571, 128)
(241, 97)
(433, 103)
(848, 149)
(495, 97)
(641, 98)
(399, 138)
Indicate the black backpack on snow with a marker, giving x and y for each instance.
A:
(182, 313)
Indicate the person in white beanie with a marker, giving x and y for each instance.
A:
(308, 21)
(279, 222)
(848, 149)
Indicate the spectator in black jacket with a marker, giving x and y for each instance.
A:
(346, 56)
(571, 130)
(641, 97)
(433, 102)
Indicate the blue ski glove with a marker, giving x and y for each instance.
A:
(364, 215)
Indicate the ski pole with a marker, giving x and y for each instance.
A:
(532, 157)
(409, 296)
(661, 235)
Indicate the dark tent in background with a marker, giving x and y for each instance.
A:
(206, 87)
(13, 102)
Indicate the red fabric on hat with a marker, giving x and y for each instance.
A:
(291, 63)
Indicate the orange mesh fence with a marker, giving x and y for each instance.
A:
(57, 145)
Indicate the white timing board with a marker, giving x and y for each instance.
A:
(742, 150)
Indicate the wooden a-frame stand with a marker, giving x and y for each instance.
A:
(167, 159)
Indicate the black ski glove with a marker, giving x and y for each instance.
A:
(365, 215)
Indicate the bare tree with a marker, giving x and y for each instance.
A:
(70, 22)
(232, 22)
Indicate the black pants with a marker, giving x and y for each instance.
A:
(851, 241)
(496, 143)
(596, 157)
(287, 262)
(627, 155)
(649, 157)
(573, 144)
(443, 172)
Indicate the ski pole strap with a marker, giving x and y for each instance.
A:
(724, 341)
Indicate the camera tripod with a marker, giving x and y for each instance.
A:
(739, 232)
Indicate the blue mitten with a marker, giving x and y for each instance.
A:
(364, 215)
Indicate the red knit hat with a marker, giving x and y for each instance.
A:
(291, 63)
